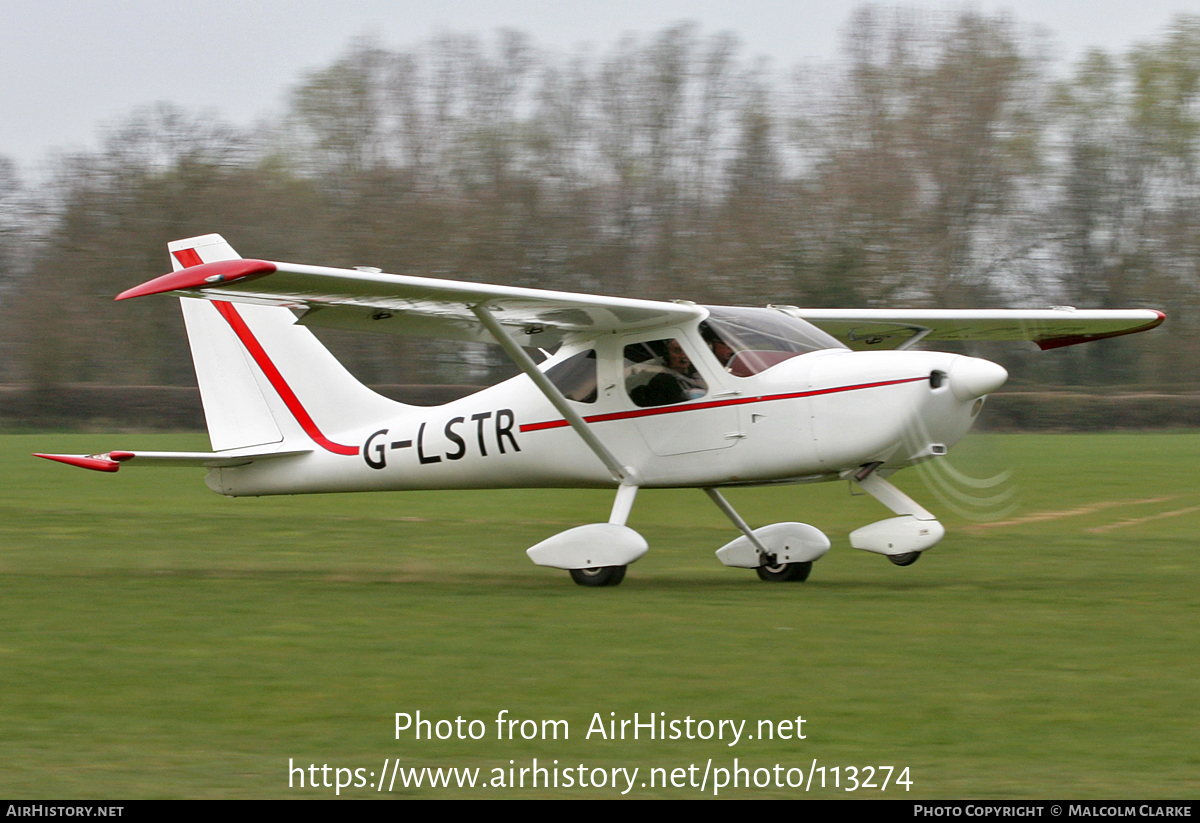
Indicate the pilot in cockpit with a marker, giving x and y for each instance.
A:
(720, 348)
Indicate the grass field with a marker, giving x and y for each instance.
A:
(161, 641)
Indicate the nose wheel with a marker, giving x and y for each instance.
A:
(906, 559)
(785, 572)
(599, 575)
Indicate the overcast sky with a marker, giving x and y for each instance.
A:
(69, 66)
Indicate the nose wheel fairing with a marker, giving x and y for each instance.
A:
(912, 532)
(898, 536)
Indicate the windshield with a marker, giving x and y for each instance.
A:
(749, 341)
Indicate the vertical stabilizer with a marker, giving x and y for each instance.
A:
(235, 409)
(263, 379)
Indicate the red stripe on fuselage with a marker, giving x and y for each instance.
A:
(189, 258)
(713, 404)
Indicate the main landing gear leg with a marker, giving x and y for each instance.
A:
(595, 554)
(781, 552)
(609, 575)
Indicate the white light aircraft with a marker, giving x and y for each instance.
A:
(637, 394)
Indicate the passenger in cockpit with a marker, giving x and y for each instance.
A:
(678, 382)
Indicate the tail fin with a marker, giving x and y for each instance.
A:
(263, 379)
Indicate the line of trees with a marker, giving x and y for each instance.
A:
(939, 162)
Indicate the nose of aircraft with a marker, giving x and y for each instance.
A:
(972, 377)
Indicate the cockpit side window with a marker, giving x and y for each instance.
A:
(660, 373)
(750, 341)
(575, 377)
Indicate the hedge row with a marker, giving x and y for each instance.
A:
(1066, 411)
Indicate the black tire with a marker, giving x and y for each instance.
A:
(599, 576)
(785, 572)
(906, 559)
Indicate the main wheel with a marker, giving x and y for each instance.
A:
(785, 572)
(906, 559)
(599, 575)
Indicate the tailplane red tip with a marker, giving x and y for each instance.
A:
(99, 463)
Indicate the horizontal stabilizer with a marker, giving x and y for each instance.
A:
(111, 461)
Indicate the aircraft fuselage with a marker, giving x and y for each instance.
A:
(804, 419)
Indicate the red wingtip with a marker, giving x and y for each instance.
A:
(197, 277)
(98, 463)
(1073, 340)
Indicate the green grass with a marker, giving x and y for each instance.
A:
(160, 641)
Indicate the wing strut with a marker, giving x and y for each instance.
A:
(625, 475)
(920, 334)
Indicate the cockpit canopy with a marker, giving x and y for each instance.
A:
(749, 341)
(661, 372)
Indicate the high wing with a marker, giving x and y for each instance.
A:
(863, 329)
(423, 306)
(367, 299)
